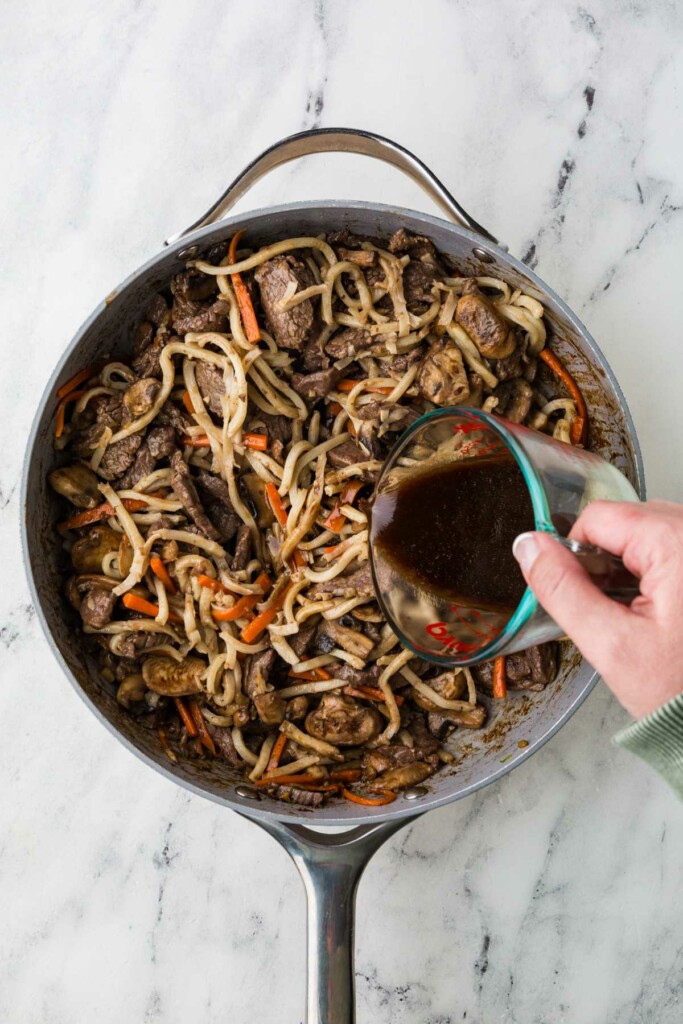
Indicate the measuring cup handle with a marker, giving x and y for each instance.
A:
(607, 571)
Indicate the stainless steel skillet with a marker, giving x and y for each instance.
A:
(330, 864)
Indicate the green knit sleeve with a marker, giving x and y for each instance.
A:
(658, 739)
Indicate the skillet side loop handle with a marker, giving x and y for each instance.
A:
(338, 140)
(330, 867)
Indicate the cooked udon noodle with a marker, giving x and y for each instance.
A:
(220, 560)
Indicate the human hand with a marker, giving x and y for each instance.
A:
(638, 650)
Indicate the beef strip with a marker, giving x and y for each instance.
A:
(349, 240)
(511, 366)
(314, 386)
(193, 286)
(189, 317)
(142, 337)
(159, 442)
(279, 428)
(186, 492)
(313, 357)
(301, 641)
(442, 377)
(211, 385)
(118, 457)
(147, 362)
(161, 523)
(157, 311)
(514, 399)
(97, 607)
(425, 745)
(295, 327)
(348, 453)
(293, 795)
(488, 329)
(194, 306)
(397, 365)
(357, 677)
(222, 738)
(240, 559)
(532, 669)
(382, 758)
(134, 644)
(351, 584)
(419, 246)
(418, 281)
(348, 342)
(109, 410)
(170, 416)
(215, 495)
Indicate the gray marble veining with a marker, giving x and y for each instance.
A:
(553, 896)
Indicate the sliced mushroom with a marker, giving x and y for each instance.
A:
(491, 333)
(442, 377)
(343, 722)
(297, 708)
(131, 690)
(88, 553)
(97, 607)
(77, 586)
(125, 555)
(350, 640)
(140, 396)
(270, 707)
(399, 778)
(451, 685)
(473, 718)
(173, 678)
(256, 491)
(77, 483)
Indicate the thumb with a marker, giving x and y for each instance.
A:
(567, 593)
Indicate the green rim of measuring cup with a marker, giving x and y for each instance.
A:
(529, 603)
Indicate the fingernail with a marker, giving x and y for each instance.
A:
(526, 550)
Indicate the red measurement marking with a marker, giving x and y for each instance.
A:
(469, 427)
(439, 630)
(469, 625)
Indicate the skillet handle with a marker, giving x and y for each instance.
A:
(330, 866)
(337, 140)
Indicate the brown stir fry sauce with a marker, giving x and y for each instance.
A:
(450, 531)
(217, 475)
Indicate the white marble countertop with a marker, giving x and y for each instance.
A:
(553, 896)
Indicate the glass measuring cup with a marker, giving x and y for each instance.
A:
(561, 481)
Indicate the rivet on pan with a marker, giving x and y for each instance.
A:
(247, 793)
(483, 255)
(415, 792)
(189, 253)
